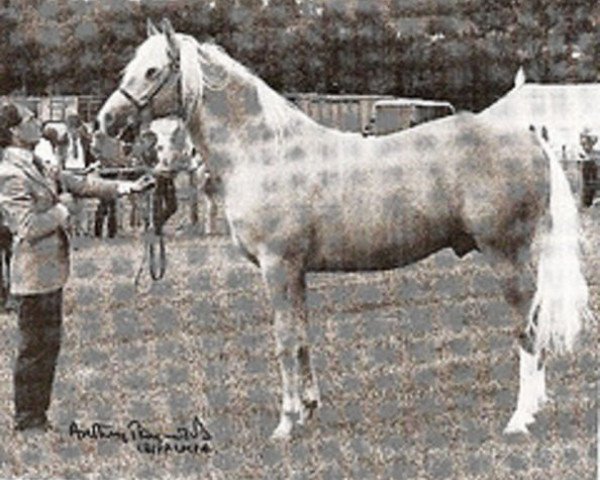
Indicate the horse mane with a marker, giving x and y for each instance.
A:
(277, 110)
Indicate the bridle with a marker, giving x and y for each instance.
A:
(145, 104)
(146, 101)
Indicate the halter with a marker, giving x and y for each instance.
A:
(172, 72)
(154, 233)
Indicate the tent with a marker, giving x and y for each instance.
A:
(565, 111)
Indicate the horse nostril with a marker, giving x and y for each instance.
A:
(96, 125)
(109, 119)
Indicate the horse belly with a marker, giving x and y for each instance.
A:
(367, 242)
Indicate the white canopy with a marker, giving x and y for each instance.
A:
(565, 111)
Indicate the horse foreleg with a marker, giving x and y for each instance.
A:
(211, 214)
(285, 284)
(311, 398)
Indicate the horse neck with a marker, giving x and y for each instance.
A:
(240, 122)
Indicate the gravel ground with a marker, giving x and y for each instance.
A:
(417, 368)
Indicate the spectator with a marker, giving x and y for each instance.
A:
(589, 167)
(77, 157)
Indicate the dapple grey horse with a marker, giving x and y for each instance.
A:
(300, 197)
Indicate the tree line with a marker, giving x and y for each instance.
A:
(465, 51)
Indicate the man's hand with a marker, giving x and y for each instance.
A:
(143, 183)
(64, 215)
(67, 200)
(140, 185)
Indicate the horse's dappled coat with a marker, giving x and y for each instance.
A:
(300, 197)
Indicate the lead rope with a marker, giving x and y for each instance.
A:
(153, 233)
(157, 272)
(147, 216)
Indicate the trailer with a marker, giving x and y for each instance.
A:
(349, 113)
(388, 116)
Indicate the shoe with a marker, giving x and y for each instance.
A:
(37, 423)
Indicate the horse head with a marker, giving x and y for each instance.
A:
(163, 79)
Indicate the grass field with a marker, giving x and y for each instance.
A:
(417, 368)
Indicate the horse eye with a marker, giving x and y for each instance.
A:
(151, 73)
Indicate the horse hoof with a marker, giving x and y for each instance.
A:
(308, 408)
(516, 428)
(544, 400)
(281, 434)
(518, 424)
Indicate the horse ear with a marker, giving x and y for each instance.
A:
(151, 28)
(172, 41)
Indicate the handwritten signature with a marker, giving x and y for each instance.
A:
(184, 440)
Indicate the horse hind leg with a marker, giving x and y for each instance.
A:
(211, 215)
(532, 384)
(311, 398)
(517, 280)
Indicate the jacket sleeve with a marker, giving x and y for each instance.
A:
(90, 186)
(18, 207)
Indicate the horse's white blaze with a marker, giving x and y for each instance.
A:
(561, 299)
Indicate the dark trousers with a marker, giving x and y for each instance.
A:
(40, 324)
(106, 208)
(5, 255)
(164, 201)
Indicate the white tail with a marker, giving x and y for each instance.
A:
(560, 304)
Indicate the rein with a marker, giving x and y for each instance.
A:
(154, 242)
(153, 239)
(153, 224)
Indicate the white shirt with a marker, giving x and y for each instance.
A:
(45, 151)
(75, 154)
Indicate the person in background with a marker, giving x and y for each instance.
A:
(109, 154)
(77, 158)
(78, 154)
(163, 202)
(206, 184)
(46, 148)
(589, 167)
(37, 216)
(10, 116)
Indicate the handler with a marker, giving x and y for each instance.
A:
(38, 218)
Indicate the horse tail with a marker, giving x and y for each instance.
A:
(560, 304)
